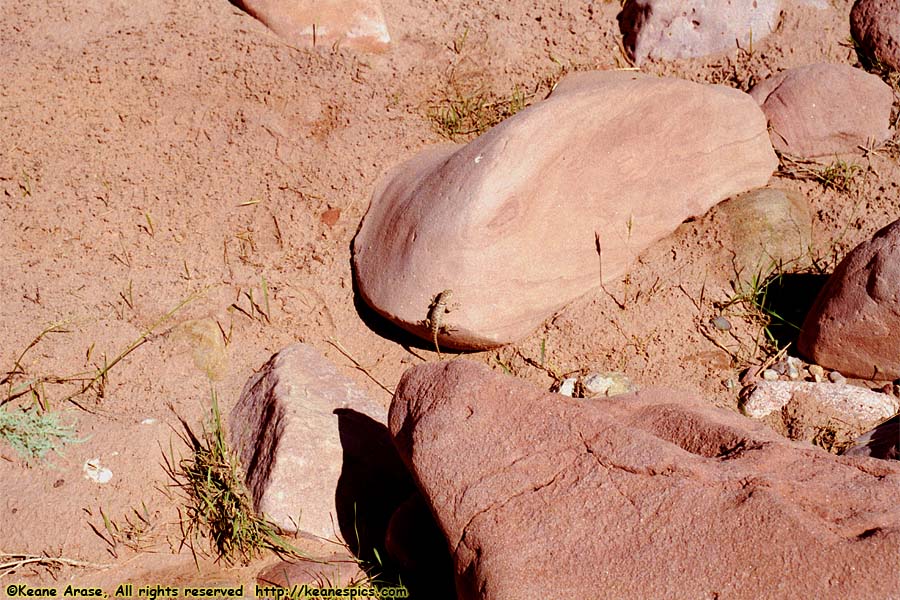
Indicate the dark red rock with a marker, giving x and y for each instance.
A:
(854, 324)
(875, 25)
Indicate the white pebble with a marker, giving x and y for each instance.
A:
(95, 472)
(567, 387)
(770, 375)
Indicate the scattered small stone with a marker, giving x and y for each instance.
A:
(149, 421)
(853, 405)
(97, 473)
(721, 323)
(793, 372)
(780, 367)
(888, 389)
(729, 383)
(770, 375)
(567, 387)
(836, 377)
(608, 384)
(816, 370)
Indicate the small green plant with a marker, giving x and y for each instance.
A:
(218, 504)
(753, 296)
(471, 114)
(33, 433)
(839, 175)
(133, 534)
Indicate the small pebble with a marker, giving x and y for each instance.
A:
(793, 372)
(608, 384)
(729, 384)
(836, 377)
(780, 367)
(567, 387)
(770, 375)
(815, 370)
(94, 471)
(721, 323)
(887, 388)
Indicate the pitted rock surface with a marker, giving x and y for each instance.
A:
(647, 495)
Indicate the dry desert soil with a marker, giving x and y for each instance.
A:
(179, 189)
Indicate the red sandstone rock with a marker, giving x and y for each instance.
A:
(875, 25)
(645, 496)
(508, 221)
(824, 109)
(854, 324)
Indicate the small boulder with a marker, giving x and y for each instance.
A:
(355, 23)
(881, 442)
(805, 410)
(318, 457)
(875, 26)
(518, 229)
(853, 325)
(670, 29)
(768, 228)
(825, 109)
(647, 495)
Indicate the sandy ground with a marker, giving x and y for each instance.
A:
(162, 151)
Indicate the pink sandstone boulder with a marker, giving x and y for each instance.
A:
(314, 446)
(854, 324)
(647, 495)
(875, 26)
(670, 29)
(824, 109)
(356, 23)
(512, 221)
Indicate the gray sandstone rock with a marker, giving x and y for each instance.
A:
(671, 29)
(315, 448)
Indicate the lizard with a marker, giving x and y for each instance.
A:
(440, 305)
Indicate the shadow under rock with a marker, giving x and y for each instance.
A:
(373, 484)
(382, 327)
(790, 296)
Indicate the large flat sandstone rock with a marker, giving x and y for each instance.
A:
(508, 221)
(646, 495)
(854, 324)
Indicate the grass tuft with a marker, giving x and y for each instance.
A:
(463, 115)
(218, 504)
(840, 175)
